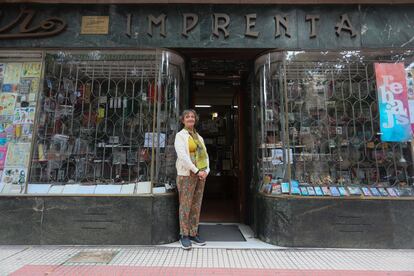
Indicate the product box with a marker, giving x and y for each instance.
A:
(354, 191)
(366, 191)
(334, 191)
(285, 187)
(304, 191)
(383, 192)
(318, 191)
(392, 192)
(311, 191)
(326, 191)
(342, 191)
(374, 191)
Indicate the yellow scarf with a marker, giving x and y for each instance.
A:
(201, 151)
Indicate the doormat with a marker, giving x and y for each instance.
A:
(102, 257)
(220, 232)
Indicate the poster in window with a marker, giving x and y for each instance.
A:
(395, 123)
(9, 87)
(24, 115)
(14, 175)
(3, 153)
(25, 86)
(12, 73)
(18, 155)
(31, 69)
(7, 104)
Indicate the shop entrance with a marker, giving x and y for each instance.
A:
(218, 90)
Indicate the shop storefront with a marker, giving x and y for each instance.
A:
(91, 95)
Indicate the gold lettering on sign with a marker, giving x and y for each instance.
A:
(95, 25)
(47, 27)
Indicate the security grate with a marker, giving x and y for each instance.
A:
(101, 117)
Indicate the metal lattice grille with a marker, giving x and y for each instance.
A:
(322, 118)
(110, 119)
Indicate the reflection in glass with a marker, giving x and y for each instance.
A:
(318, 122)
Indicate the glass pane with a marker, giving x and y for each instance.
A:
(319, 122)
(106, 121)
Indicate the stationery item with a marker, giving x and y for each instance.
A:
(285, 187)
(7, 104)
(14, 175)
(143, 187)
(383, 192)
(12, 74)
(3, 153)
(366, 191)
(267, 188)
(374, 191)
(311, 191)
(276, 189)
(24, 87)
(404, 192)
(295, 190)
(294, 183)
(10, 88)
(31, 69)
(18, 155)
(304, 191)
(391, 191)
(343, 191)
(24, 115)
(318, 191)
(334, 191)
(354, 191)
(326, 191)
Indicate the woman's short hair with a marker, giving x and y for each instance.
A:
(187, 111)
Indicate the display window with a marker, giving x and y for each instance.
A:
(103, 122)
(335, 123)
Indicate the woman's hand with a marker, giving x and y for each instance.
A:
(202, 175)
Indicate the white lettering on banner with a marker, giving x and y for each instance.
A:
(393, 107)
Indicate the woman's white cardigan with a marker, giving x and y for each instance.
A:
(184, 164)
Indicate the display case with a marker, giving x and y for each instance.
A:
(106, 122)
(20, 76)
(318, 126)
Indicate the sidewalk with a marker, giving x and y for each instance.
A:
(170, 260)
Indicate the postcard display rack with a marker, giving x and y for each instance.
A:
(19, 86)
(106, 123)
(318, 128)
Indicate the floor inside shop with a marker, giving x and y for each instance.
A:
(218, 85)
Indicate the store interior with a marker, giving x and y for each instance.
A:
(218, 83)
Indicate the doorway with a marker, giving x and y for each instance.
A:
(218, 87)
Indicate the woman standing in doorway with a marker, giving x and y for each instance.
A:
(192, 169)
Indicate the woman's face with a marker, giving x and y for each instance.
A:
(189, 120)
